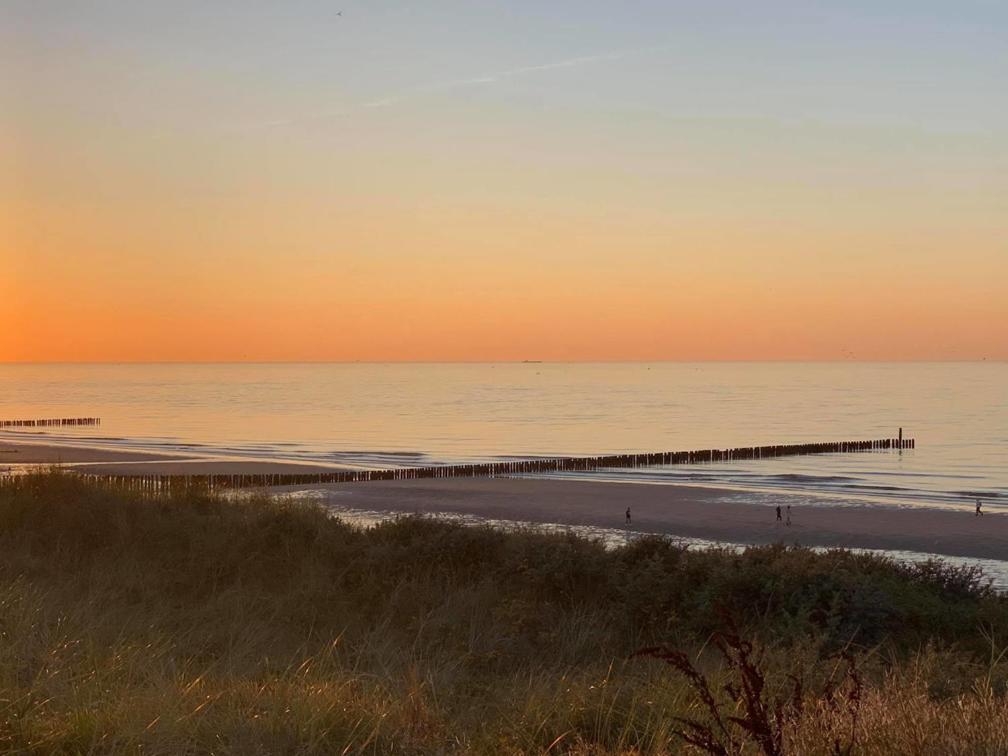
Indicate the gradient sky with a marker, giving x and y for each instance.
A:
(487, 180)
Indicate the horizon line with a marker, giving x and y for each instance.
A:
(504, 362)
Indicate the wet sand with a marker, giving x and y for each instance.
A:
(116, 462)
(51, 454)
(709, 513)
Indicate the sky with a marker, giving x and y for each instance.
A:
(448, 180)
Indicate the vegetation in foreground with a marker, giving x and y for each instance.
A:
(195, 624)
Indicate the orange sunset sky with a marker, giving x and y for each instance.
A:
(466, 181)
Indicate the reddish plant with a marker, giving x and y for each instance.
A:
(758, 718)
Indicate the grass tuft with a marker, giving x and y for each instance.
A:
(195, 624)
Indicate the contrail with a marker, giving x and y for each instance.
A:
(442, 86)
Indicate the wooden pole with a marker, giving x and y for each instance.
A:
(158, 484)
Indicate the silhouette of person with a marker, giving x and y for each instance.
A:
(788, 523)
(628, 515)
(778, 513)
(978, 512)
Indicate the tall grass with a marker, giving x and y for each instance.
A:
(195, 624)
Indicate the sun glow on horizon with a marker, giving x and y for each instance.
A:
(183, 182)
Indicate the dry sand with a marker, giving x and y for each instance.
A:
(709, 513)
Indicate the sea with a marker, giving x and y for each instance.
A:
(402, 414)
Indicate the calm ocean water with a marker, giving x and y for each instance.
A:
(403, 414)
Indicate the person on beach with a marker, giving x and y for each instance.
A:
(978, 512)
(628, 515)
(778, 513)
(788, 523)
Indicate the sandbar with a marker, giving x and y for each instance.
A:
(111, 461)
(14, 452)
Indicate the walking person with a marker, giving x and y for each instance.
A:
(628, 515)
(778, 513)
(788, 523)
(978, 512)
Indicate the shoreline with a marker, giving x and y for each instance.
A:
(110, 461)
(692, 511)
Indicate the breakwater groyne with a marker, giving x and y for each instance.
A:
(167, 483)
(51, 422)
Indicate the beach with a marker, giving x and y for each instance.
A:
(690, 511)
(119, 462)
(711, 514)
(12, 452)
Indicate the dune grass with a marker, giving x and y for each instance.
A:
(195, 624)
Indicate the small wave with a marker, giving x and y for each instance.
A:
(380, 454)
(805, 478)
(877, 487)
(909, 474)
(981, 494)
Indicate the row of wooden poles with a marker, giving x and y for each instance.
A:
(168, 483)
(50, 422)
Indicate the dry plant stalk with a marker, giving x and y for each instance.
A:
(764, 718)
